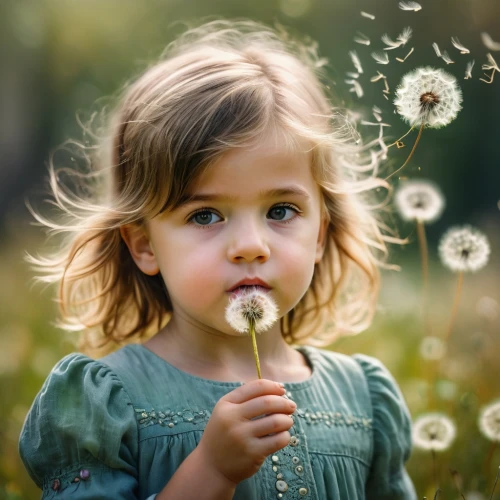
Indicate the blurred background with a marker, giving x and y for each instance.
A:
(63, 59)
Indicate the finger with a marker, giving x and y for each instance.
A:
(270, 424)
(263, 405)
(268, 445)
(254, 389)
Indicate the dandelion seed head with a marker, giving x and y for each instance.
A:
(251, 305)
(464, 249)
(489, 421)
(432, 348)
(419, 200)
(428, 96)
(433, 431)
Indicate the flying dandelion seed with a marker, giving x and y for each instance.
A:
(446, 58)
(368, 16)
(355, 60)
(419, 200)
(432, 348)
(456, 43)
(380, 57)
(392, 44)
(468, 69)
(489, 421)
(492, 65)
(433, 431)
(405, 57)
(352, 75)
(435, 46)
(414, 6)
(401, 40)
(362, 39)
(427, 97)
(356, 87)
(489, 42)
(464, 249)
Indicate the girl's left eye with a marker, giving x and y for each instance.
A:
(202, 217)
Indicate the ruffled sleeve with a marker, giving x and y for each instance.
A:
(388, 478)
(80, 438)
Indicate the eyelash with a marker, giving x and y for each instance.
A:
(206, 209)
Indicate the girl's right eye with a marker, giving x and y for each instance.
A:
(202, 218)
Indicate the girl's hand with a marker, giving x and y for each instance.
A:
(233, 444)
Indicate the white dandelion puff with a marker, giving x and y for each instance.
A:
(446, 58)
(489, 42)
(367, 15)
(405, 57)
(251, 305)
(464, 249)
(489, 421)
(433, 431)
(468, 70)
(419, 200)
(355, 60)
(435, 46)
(428, 97)
(432, 348)
(380, 57)
(362, 39)
(414, 6)
(488, 308)
(456, 43)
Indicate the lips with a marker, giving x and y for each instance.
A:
(250, 282)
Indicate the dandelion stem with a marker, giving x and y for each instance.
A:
(424, 257)
(251, 324)
(434, 470)
(488, 458)
(456, 303)
(454, 475)
(495, 485)
(402, 137)
(411, 153)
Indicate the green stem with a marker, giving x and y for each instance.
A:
(251, 324)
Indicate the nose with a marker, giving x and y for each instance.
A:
(248, 242)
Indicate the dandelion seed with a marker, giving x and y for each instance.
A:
(428, 96)
(433, 431)
(446, 58)
(356, 87)
(377, 77)
(406, 57)
(468, 70)
(491, 66)
(419, 200)
(405, 35)
(456, 43)
(436, 49)
(368, 16)
(352, 75)
(488, 308)
(489, 421)
(362, 39)
(355, 60)
(414, 6)
(489, 42)
(464, 249)
(432, 348)
(392, 44)
(377, 117)
(380, 57)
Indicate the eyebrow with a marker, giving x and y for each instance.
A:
(272, 193)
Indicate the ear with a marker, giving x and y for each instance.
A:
(321, 243)
(137, 241)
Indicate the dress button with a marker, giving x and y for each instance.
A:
(299, 470)
(275, 459)
(281, 485)
(84, 474)
(294, 441)
(303, 491)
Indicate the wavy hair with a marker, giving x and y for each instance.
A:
(220, 85)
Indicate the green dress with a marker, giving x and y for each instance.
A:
(120, 426)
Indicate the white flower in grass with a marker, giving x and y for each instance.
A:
(433, 431)
(419, 200)
(251, 304)
(464, 249)
(428, 96)
(432, 348)
(489, 421)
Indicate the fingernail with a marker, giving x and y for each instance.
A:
(280, 384)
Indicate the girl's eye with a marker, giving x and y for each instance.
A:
(203, 217)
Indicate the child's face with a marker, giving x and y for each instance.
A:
(228, 241)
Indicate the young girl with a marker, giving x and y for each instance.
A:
(226, 168)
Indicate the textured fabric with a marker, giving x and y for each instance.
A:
(121, 426)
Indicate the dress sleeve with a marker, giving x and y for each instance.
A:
(388, 478)
(80, 438)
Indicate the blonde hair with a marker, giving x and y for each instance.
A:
(221, 85)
